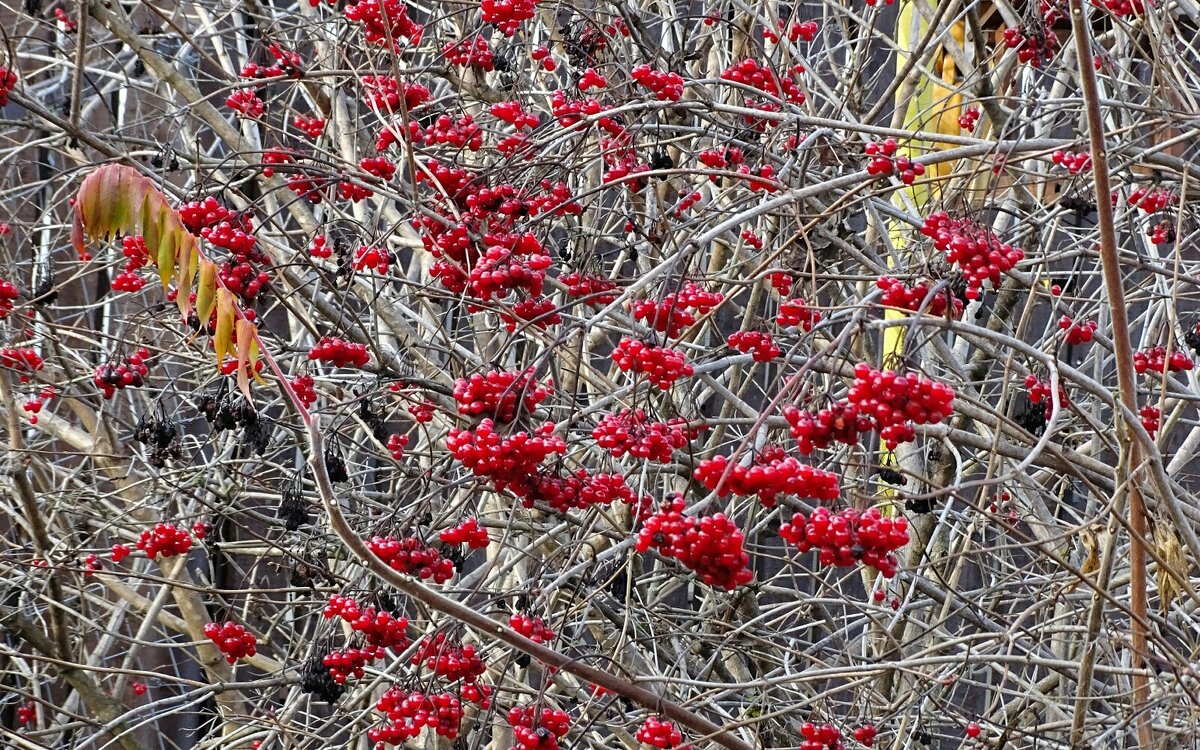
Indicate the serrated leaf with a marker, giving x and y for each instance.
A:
(225, 320)
(206, 290)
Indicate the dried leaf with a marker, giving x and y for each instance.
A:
(206, 290)
(1171, 552)
(245, 340)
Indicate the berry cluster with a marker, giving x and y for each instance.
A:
(533, 628)
(659, 733)
(303, 386)
(969, 119)
(514, 114)
(1039, 391)
(119, 552)
(410, 712)
(385, 22)
(507, 15)
(372, 259)
(507, 461)
(396, 445)
(350, 662)
(1073, 162)
(26, 712)
(711, 546)
(667, 86)
(631, 432)
(246, 103)
(23, 360)
(1034, 41)
(768, 478)
(1122, 8)
(535, 729)
(806, 30)
(165, 540)
(592, 80)
(340, 353)
(677, 311)
(35, 404)
(1155, 359)
(975, 248)
(756, 75)
(1151, 419)
(594, 290)
(542, 55)
(8, 293)
(411, 556)
(320, 247)
(897, 294)
(661, 366)
(1152, 200)
(286, 63)
(884, 162)
(1077, 333)
(310, 126)
(848, 537)
(474, 52)
(758, 342)
(231, 639)
(378, 628)
(865, 735)
(895, 402)
(823, 737)
(468, 532)
(449, 659)
(580, 490)
(500, 394)
(131, 373)
(8, 81)
(796, 312)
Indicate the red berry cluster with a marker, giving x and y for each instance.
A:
(796, 312)
(468, 532)
(286, 63)
(823, 737)
(36, 403)
(196, 215)
(303, 387)
(320, 247)
(474, 52)
(26, 712)
(379, 166)
(514, 114)
(8, 81)
(777, 279)
(422, 413)
(507, 461)
(666, 85)
(756, 75)
(340, 353)
(500, 394)
(449, 659)
(411, 556)
(379, 629)
(580, 490)
(231, 639)
(630, 432)
(865, 735)
(1034, 41)
(1077, 333)
(677, 310)
(895, 403)
(848, 537)
(396, 445)
(351, 662)
(1151, 419)
(131, 373)
(884, 162)
(1162, 233)
(310, 126)
(372, 259)
(592, 80)
(975, 248)
(119, 552)
(538, 729)
(969, 119)
(758, 342)
(806, 30)
(533, 628)
(1152, 200)
(659, 733)
(507, 15)
(8, 293)
(23, 360)
(410, 712)
(1073, 162)
(768, 479)
(542, 55)
(660, 365)
(1122, 8)
(164, 539)
(385, 22)
(1155, 359)
(69, 25)
(711, 546)
(896, 293)
(246, 103)
(720, 158)
(1039, 391)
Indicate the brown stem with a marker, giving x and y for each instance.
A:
(1126, 374)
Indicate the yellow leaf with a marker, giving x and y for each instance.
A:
(245, 339)
(225, 319)
(185, 275)
(206, 289)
